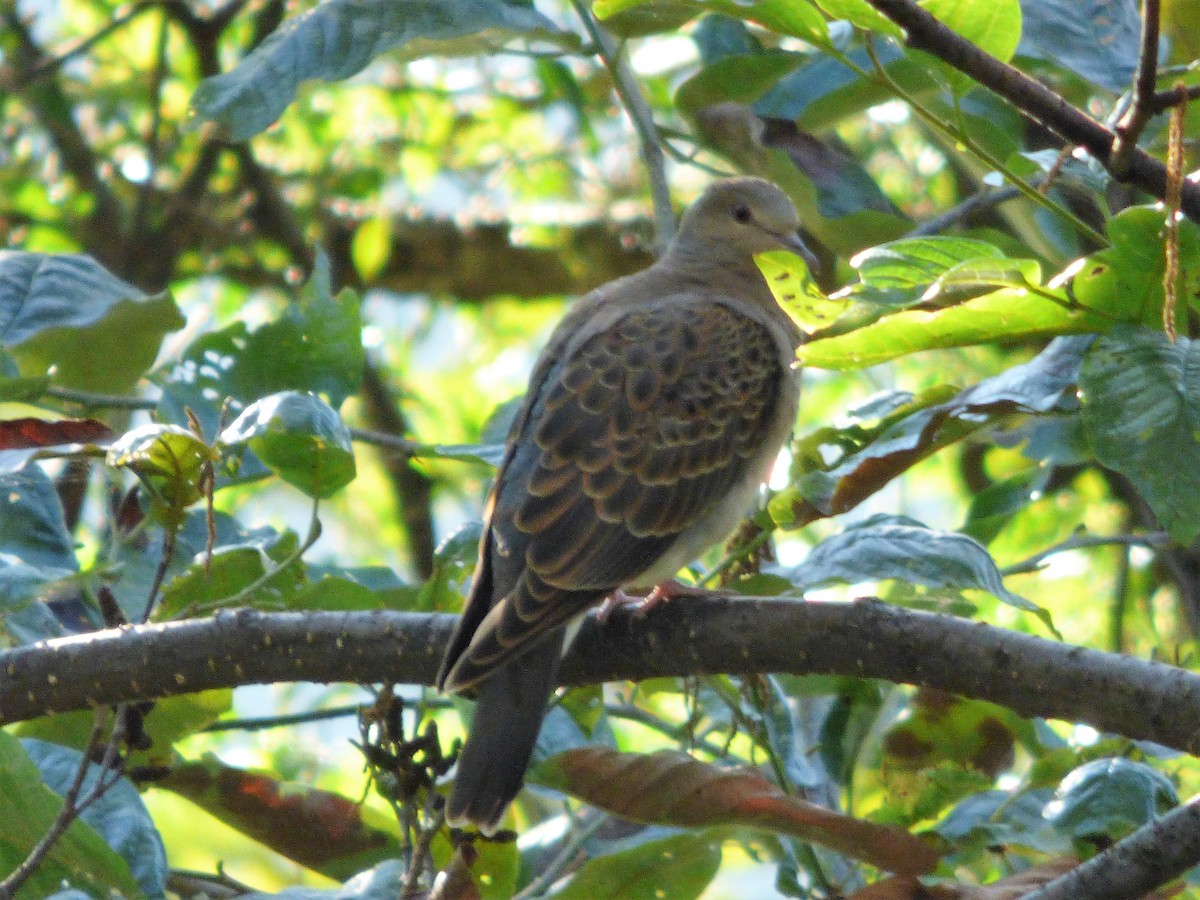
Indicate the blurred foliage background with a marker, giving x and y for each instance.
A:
(368, 215)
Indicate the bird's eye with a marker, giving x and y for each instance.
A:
(741, 212)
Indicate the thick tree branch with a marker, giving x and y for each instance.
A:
(1034, 676)
(924, 32)
(483, 260)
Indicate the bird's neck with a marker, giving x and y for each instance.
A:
(736, 272)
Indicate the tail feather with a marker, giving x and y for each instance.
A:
(509, 708)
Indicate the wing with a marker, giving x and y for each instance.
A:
(630, 440)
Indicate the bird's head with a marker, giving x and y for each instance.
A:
(739, 217)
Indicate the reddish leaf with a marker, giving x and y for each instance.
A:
(23, 434)
(671, 788)
(318, 829)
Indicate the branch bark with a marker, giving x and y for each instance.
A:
(869, 639)
(924, 32)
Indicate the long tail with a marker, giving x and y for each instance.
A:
(509, 708)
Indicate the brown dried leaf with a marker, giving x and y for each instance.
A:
(671, 788)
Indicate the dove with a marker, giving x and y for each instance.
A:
(653, 416)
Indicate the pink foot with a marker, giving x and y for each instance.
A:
(663, 592)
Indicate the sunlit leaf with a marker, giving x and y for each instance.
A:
(679, 867)
(169, 461)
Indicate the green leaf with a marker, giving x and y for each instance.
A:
(1124, 282)
(339, 38)
(172, 719)
(900, 272)
(1096, 39)
(80, 858)
(861, 14)
(1005, 314)
(316, 345)
(169, 460)
(119, 816)
(1141, 410)
(997, 818)
(300, 438)
(873, 454)
(793, 287)
(673, 868)
(1104, 800)
(786, 17)
(63, 313)
(992, 25)
(199, 589)
(893, 547)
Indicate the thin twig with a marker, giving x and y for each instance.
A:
(1084, 541)
(977, 149)
(82, 46)
(922, 31)
(92, 400)
(571, 849)
(170, 537)
(266, 722)
(1130, 128)
(985, 199)
(642, 118)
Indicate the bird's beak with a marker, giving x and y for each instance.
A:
(793, 243)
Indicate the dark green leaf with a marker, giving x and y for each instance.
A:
(119, 816)
(742, 79)
(1096, 39)
(32, 529)
(300, 438)
(63, 313)
(24, 618)
(877, 454)
(339, 38)
(887, 547)
(1141, 406)
(997, 818)
(1106, 799)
